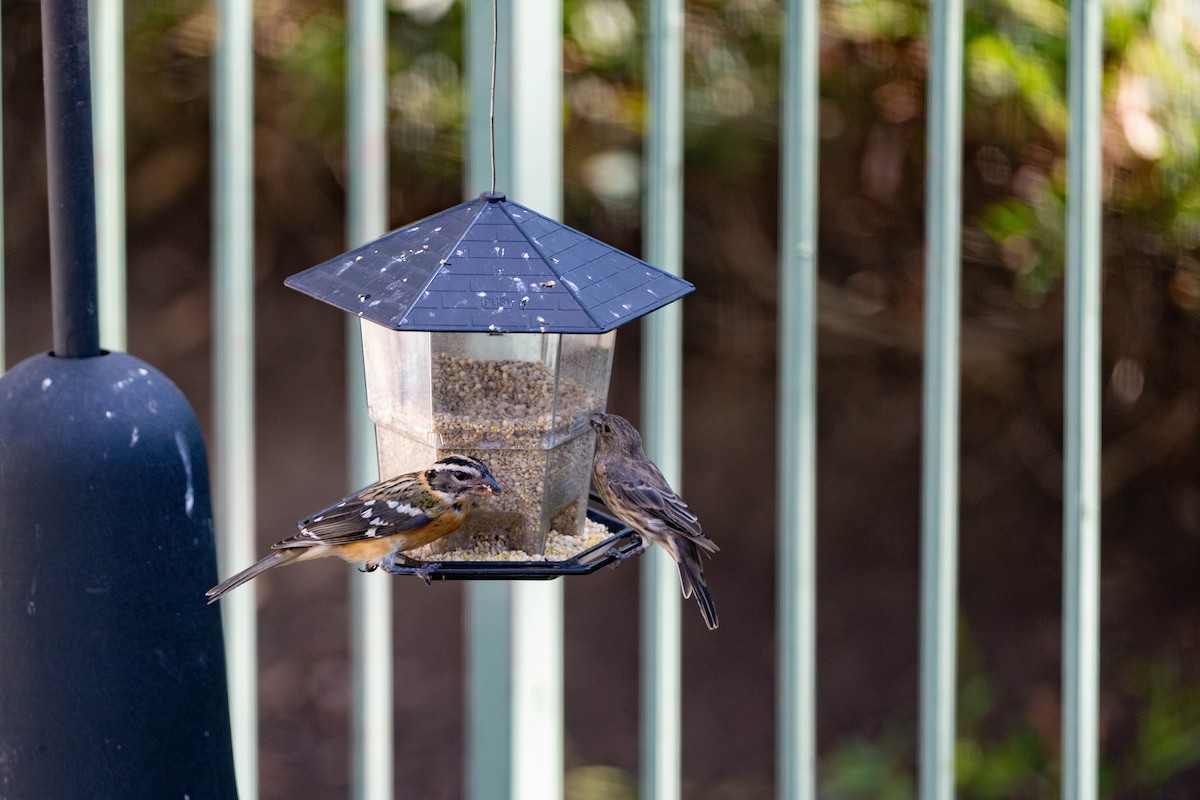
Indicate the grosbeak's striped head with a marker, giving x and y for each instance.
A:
(458, 475)
(614, 435)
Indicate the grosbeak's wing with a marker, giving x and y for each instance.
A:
(360, 516)
(644, 488)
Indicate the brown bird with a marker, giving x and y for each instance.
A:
(374, 525)
(635, 491)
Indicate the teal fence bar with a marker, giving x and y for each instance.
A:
(797, 621)
(3, 362)
(939, 478)
(373, 740)
(489, 711)
(514, 628)
(108, 125)
(1081, 410)
(233, 367)
(662, 404)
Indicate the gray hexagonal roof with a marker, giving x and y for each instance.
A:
(491, 265)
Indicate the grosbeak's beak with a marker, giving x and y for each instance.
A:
(596, 421)
(488, 485)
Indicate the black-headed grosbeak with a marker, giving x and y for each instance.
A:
(374, 525)
(636, 492)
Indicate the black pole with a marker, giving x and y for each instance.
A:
(69, 175)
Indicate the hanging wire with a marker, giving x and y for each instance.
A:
(492, 97)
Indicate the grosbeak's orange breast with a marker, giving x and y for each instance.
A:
(374, 549)
(445, 523)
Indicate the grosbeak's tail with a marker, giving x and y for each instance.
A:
(275, 559)
(691, 580)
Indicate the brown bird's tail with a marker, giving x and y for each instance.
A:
(691, 580)
(275, 559)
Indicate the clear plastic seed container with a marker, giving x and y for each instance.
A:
(518, 401)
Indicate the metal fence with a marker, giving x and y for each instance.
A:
(514, 740)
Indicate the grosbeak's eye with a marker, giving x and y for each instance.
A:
(459, 475)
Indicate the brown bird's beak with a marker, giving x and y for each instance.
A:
(596, 421)
(488, 485)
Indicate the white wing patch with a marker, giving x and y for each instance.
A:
(356, 522)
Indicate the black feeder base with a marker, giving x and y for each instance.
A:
(622, 544)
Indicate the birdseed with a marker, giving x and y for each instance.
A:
(531, 431)
(559, 547)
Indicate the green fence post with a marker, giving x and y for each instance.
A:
(372, 769)
(940, 406)
(797, 402)
(1081, 479)
(233, 366)
(514, 628)
(2, 195)
(662, 404)
(108, 124)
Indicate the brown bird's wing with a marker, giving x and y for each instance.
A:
(644, 487)
(357, 518)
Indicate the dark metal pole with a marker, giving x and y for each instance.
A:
(70, 178)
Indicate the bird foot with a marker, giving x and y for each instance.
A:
(392, 563)
(427, 570)
(621, 556)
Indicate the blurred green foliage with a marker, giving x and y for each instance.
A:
(599, 783)
(873, 60)
(1016, 55)
(1167, 731)
(875, 769)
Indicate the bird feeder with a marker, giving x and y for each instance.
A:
(488, 330)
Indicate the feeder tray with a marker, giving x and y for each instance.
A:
(623, 543)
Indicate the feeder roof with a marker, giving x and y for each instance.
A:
(491, 265)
